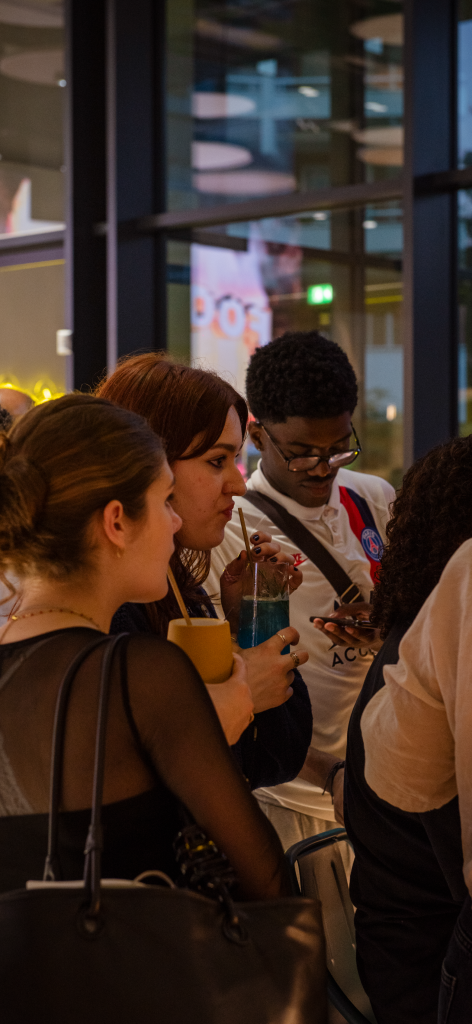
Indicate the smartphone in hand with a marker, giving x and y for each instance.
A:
(354, 623)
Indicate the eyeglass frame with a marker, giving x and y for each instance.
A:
(321, 458)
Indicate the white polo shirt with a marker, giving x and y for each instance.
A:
(334, 675)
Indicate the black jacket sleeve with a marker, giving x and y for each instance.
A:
(273, 748)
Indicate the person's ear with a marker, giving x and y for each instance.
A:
(113, 524)
(256, 434)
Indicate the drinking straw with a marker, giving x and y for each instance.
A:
(246, 540)
(173, 583)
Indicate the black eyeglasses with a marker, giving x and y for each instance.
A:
(299, 463)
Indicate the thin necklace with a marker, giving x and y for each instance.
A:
(64, 611)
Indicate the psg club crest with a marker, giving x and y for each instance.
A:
(372, 544)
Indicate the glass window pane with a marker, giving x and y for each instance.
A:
(31, 117)
(32, 92)
(339, 272)
(31, 312)
(270, 98)
(465, 311)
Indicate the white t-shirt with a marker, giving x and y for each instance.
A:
(334, 675)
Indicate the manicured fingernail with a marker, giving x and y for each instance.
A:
(257, 551)
(273, 559)
(255, 538)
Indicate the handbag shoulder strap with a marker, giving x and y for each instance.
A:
(346, 591)
(51, 867)
(94, 843)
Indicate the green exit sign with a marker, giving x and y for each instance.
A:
(319, 294)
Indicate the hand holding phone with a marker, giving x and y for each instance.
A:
(352, 623)
(344, 629)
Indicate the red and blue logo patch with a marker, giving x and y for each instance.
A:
(372, 544)
(363, 526)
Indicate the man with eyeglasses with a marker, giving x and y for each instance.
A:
(302, 393)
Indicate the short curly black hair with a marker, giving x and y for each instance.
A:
(431, 518)
(300, 374)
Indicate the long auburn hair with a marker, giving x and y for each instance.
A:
(431, 518)
(187, 408)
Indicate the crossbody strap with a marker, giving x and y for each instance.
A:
(94, 843)
(51, 867)
(346, 591)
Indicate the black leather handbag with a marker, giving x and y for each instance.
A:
(108, 951)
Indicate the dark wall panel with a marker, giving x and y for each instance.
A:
(86, 177)
(430, 301)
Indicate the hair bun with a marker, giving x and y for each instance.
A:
(23, 492)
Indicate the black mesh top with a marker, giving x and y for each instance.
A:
(164, 746)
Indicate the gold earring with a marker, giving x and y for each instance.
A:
(119, 553)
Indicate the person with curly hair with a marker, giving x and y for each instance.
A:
(302, 393)
(407, 881)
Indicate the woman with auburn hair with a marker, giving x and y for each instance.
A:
(87, 524)
(202, 421)
(407, 882)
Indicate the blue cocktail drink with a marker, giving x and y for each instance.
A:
(261, 618)
(264, 609)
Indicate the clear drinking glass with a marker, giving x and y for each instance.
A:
(265, 603)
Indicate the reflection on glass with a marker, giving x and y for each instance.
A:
(31, 312)
(31, 117)
(465, 311)
(266, 98)
(338, 272)
(464, 83)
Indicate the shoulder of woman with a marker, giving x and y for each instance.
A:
(156, 657)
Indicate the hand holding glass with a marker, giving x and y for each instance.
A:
(208, 644)
(265, 603)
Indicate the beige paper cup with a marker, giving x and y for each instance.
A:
(208, 644)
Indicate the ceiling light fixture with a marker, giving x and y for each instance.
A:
(391, 135)
(218, 156)
(385, 156)
(207, 105)
(376, 108)
(245, 183)
(387, 27)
